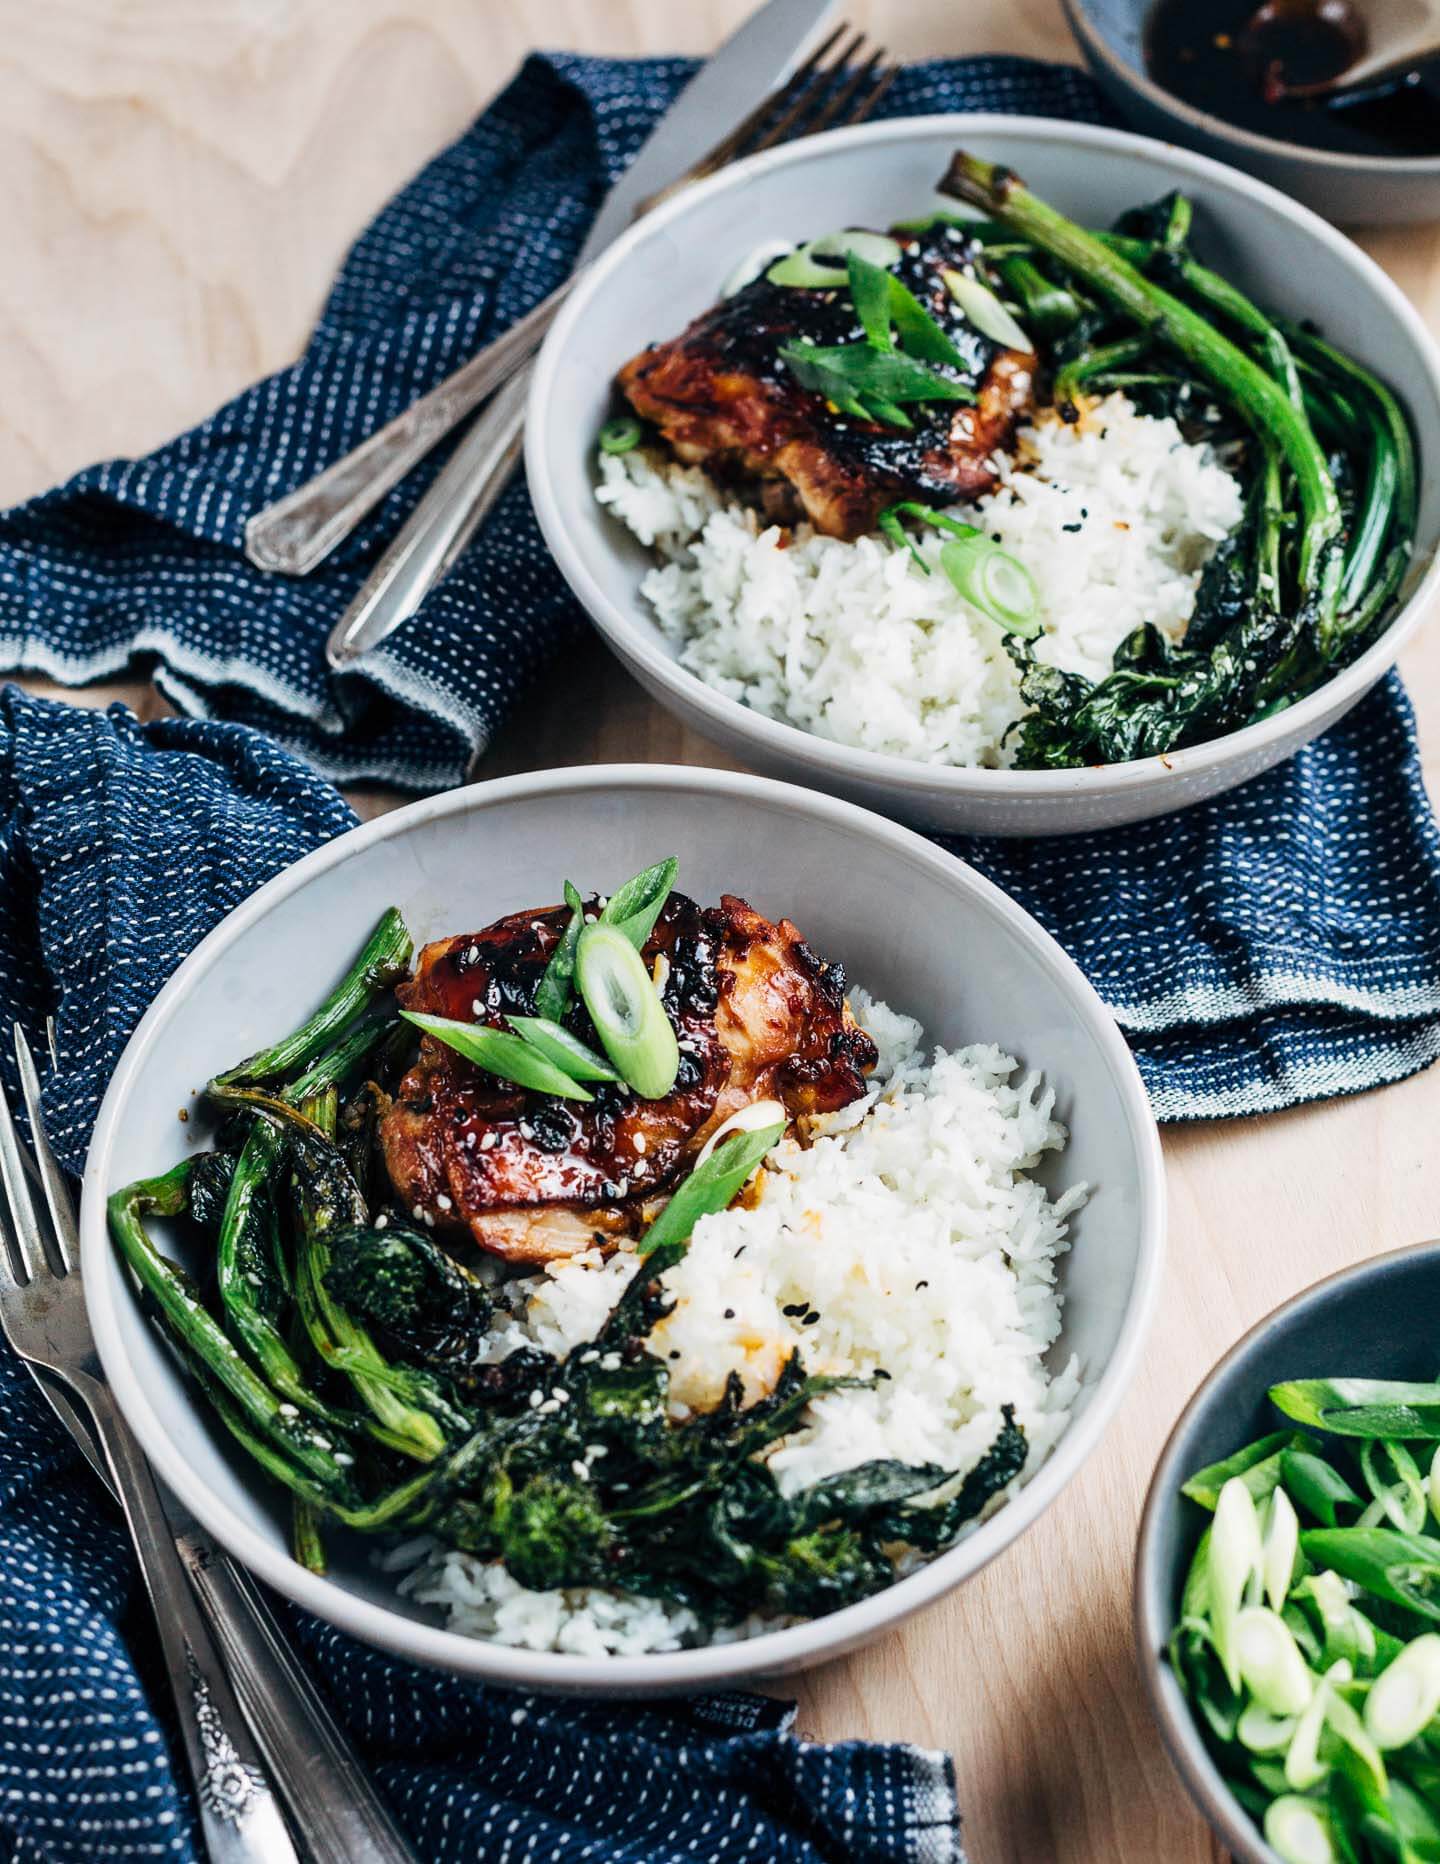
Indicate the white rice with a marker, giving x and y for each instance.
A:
(1114, 516)
(912, 1228)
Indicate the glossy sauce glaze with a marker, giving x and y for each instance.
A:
(1207, 53)
(722, 395)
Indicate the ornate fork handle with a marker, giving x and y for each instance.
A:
(239, 1814)
(296, 533)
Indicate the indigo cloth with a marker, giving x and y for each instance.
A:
(120, 846)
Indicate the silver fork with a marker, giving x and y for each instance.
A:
(42, 1311)
(299, 531)
(466, 488)
(325, 1789)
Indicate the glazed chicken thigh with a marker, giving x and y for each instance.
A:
(530, 1177)
(721, 396)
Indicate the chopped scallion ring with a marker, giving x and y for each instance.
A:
(620, 435)
(820, 263)
(996, 583)
(985, 311)
(626, 1010)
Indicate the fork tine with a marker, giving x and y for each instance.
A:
(810, 96)
(867, 104)
(24, 1217)
(52, 1179)
(737, 139)
(839, 99)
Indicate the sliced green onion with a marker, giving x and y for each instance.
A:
(620, 435)
(1400, 1490)
(985, 311)
(1362, 1407)
(1303, 1766)
(890, 526)
(1433, 1484)
(1299, 1831)
(1234, 1562)
(1262, 1732)
(996, 583)
(712, 1186)
(1405, 1698)
(1403, 1569)
(636, 905)
(1362, 1755)
(1205, 1485)
(807, 269)
(1270, 1663)
(569, 1054)
(500, 1053)
(755, 1117)
(1319, 1488)
(552, 995)
(626, 1010)
(1280, 1550)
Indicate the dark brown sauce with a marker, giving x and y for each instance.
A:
(1205, 53)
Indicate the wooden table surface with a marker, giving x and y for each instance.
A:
(181, 178)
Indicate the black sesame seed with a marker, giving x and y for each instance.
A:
(921, 1284)
(729, 1313)
(795, 1308)
(881, 1373)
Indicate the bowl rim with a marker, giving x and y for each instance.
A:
(707, 1665)
(1152, 1614)
(1135, 78)
(637, 641)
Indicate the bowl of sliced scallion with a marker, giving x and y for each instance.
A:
(1287, 1588)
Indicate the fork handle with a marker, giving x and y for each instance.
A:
(300, 530)
(240, 1816)
(438, 529)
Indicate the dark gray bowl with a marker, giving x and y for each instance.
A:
(1373, 1321)
(1351, 189)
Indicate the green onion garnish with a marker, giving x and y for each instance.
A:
(891, 527)
(985, 311)
(1405, 1698)
(552, 994)
(993, 581)
(636, 905)
(555, 1042)
(806, 268)
(626, 1010)
(621, 434)
(711, 1186)
(500, 1053)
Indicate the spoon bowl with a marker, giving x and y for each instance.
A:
(1338, 48)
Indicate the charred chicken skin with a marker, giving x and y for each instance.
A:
(530, 1177)
(722, 397)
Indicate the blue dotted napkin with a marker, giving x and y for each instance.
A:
(120, 846)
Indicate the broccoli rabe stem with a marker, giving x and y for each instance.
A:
(292, 1438)
(245, 1260)
(383, 961)
(1255, 395)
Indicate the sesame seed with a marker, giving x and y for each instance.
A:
(289, 1410)
(536, 1400)
(640, 1143)
(578, 1468)
(489, 1140)
(444, 1200)
(477, 1008)
(344, 1458)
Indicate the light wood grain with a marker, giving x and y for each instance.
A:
(181, 179)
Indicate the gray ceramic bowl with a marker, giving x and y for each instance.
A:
(1361, 1323)
(670, 266)
(1354, 190)
(908, 920)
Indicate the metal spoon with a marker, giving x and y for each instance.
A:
(1330, 48)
